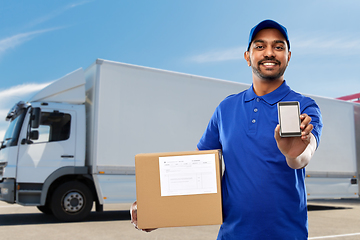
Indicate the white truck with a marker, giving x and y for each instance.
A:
(74, 142)
(334, 170)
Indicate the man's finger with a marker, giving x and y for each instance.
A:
(307, 130)
(305, 120)
(277, 132)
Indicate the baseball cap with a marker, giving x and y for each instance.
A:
(268, 24)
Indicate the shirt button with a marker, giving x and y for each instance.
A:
(255, 109)
(253, 121)
(258, 99)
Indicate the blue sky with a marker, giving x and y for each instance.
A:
(41, 41)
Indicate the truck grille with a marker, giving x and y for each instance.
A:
(2, 166)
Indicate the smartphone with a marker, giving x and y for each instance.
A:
(289, 119)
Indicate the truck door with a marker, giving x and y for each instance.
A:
(54, 148)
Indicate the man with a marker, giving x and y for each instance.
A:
(263, 186)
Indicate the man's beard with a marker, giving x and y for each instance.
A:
(266, 77)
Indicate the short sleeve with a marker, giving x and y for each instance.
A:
(313, 110)
(211, 137)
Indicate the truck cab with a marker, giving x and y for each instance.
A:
(43, 152)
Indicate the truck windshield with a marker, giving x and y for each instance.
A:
(12, 133)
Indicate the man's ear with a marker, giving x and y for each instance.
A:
(247, 58)
(289, 56)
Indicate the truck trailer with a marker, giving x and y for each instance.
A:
(333, 172)
(74, 142)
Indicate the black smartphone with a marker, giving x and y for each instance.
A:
(289, 119)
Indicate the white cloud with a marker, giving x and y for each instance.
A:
(78, 4)
(18, 39)
(55, 13)
(326, 44)
(20, 91)
(219, 55)
(10, 96)
(3, 113)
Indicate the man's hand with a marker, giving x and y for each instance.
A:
(133, 213)
(297, 150)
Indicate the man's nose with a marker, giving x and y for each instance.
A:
(269, 52)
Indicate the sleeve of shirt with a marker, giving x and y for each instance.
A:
(211, 137)
(313, 110)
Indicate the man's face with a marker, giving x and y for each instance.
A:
(268, 55)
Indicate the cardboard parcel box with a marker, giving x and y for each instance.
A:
(178, 189)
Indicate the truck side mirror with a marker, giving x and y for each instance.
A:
(34, 135)
(35, 117)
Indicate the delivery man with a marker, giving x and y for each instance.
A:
(263, 186)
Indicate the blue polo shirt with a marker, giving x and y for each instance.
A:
(263, 198)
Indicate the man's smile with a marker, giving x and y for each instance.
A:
(269, 63)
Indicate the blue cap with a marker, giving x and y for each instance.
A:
(268, 24)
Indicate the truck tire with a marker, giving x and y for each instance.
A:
(45, 209)
(71, 201)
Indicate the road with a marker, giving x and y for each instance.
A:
(328, 219)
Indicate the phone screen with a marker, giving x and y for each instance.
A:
(289, 119)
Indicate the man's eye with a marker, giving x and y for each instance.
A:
(259, 47)
(279, 48)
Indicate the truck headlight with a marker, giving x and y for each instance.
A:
(4, 191)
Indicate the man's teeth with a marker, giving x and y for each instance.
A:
(269, 64)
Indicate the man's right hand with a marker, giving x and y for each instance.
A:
(133, 213)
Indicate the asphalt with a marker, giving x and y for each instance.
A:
(328, 219)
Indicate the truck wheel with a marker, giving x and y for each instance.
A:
(71, 201)
(45, 209)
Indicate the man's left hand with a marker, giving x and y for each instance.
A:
(292, 147)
